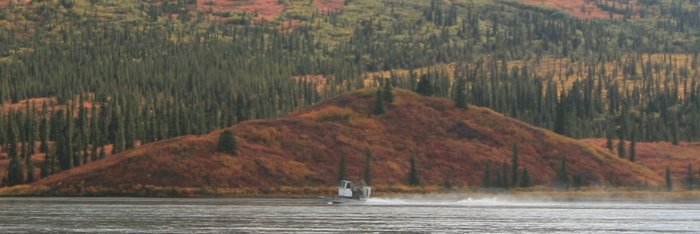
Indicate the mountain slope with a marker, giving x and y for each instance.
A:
(658, 156)
(305, 147)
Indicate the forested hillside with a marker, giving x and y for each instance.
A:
(414, 140)
(82, 79)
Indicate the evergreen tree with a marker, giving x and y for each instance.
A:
(515, 165)
(669, 180)
(486, 180)
(65, 143)
(609, 140)
(578, 181)
(388, 92)
(633, 148)
(118, 129)
(378, 103)
(44, 130)
(368, 167)
(425, 87)
(621, 147)
(227, 143)
(341, 168)
(561, 123)
(30, 165)
(15, 173)
(690, 179)
(525, 180)
(47, 167)
(413, 177)
(563, 175)
(460, 98)
(95, 133)
(505, 175)
(103, 152)
(674, 130)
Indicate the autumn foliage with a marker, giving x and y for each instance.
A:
(303, 150)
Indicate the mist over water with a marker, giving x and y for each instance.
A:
(420, 214)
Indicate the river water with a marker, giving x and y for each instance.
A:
(143, 215)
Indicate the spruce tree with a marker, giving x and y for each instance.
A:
(368, 167)
(388, 93)
(609, 141)
(48, 166)
(44, 130)
(515, 161)
(486, 179)
(563, 175)
(15, 173)
(633, 147)
(341, 168)
(29, 163)
(413, 177)
(378, 103)
(669, 180)
(505, 175)
(425, 87)
(67, 152)
(561, 121)
(227, 143)
(621, 147)
(578, 181)
(674, 130)
(460, 98)
(525, 180)
(690, 179)
(94, 133)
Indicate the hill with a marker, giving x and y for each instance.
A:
(658, 156)
(304, 149)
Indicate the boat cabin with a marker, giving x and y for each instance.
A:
(347, 189)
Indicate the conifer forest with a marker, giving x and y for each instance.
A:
(82, 80)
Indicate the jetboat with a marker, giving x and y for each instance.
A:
(349, 193)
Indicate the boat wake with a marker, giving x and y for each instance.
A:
(493, 201)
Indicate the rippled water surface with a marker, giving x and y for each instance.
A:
(137, 215)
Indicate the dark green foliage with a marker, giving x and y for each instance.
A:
(49, 160)
(388, 93)
(157, 79)
(690, 178)
(561, 122)
(486, 179)
(578, 181)
(515, 165)
(562, 180)
(525, 180)
(227, 143)
(633, 148)
(669, 180)
(425, 87)
(621, 148)
(674, 130)
(378, 108)
(609, 139)
(368, 167)
(342, 167)
(44, 130)
(460, 98)
(505, 176)
(413, 175)
(15, 172)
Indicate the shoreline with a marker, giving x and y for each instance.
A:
(386, 192)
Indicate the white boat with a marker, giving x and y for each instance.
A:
(348, 192)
